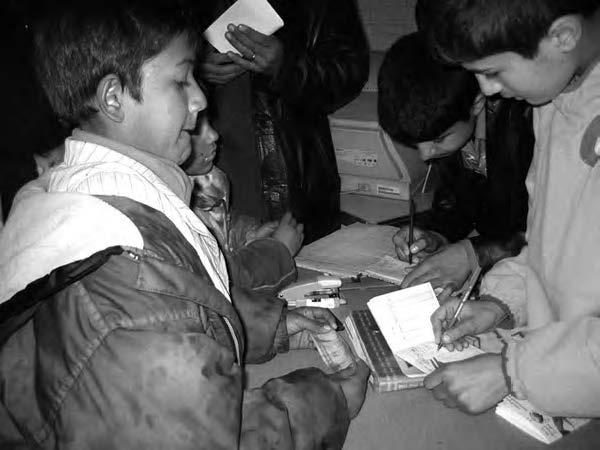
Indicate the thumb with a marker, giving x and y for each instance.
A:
(304, 323)
(460, 330)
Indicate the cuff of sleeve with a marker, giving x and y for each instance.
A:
(282, 340)
(473, 261)
(509, 364)
(507, 319)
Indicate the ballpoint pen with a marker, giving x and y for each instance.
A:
(469, 288)
(411, 228)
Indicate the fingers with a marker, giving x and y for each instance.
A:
(266, 229)
(220, 73)
(441, 316)
(434, 379)
(461, 329)
(321, 315)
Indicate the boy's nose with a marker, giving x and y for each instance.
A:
(197, 100)
(488, 87)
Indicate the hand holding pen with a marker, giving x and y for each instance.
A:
(458, 318)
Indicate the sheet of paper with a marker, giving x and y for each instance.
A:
(390, 269)
(349, 250)
(403, 316)
(257, 14)
(421, 356)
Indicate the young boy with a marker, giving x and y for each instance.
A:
(480, 151)
(210, 200)
(120, 329)
(545, 52)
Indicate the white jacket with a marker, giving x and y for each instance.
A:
(553, 286)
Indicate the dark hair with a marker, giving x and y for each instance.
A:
(420, 98)
(78, 43)
(466, 30)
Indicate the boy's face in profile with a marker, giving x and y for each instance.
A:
(451, 140)
(171, 99)
(204, 149)
(537, 80)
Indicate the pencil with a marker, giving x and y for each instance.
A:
(470, 285)
(411, 228)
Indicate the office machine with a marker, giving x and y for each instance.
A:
(377, 174)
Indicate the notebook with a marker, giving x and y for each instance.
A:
(403, 317)
(541, 426)
(387, 372)
(354, 249)
(257, 14)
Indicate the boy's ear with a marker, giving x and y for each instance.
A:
(109, 98)
(565, 32)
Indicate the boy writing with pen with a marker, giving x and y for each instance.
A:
(479, 150)
(546, 52)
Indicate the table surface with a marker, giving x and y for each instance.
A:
(412, 419)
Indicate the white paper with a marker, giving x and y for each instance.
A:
(403, 316)
(257, 14)
(404, 319)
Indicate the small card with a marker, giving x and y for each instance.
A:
(257, 14)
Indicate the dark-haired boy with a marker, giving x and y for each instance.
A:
(120, 329)
(545, 52)
(481, 152)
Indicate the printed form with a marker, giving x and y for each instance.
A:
(404, 319)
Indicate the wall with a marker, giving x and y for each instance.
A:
(386, 20)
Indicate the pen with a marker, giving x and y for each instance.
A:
(411, 228)
(470, 285)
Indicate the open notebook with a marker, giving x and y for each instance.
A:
(354, 249)
(404, 319)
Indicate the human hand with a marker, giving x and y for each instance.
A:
(353, 381)
(473, 385)
(218, 68)
(265, 230)
(474, 318)
(424, 242)
(290, 233)
(260, 53)
(448, 269)
(302, 322)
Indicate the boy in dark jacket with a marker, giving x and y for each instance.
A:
(122, 328)
(481, 151)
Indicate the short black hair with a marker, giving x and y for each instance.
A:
(419, 97)
(466, 30)
(77, 43)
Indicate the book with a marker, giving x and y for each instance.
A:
(542, 427)
(403, 317)
(356, 249)
(387, 372)
(257, 14)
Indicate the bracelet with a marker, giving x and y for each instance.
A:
(504, 362)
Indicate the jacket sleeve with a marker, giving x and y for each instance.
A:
(557, 367)
(177, 390)
(164, 381)
(326, 56)
(264, 266)
(490, 250)
(506, 282)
